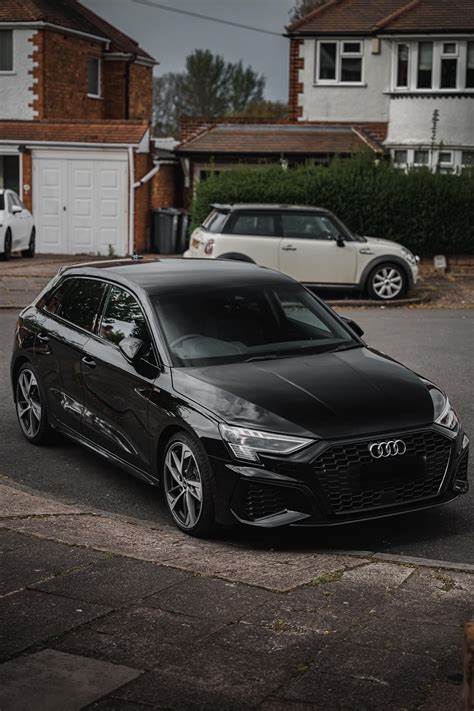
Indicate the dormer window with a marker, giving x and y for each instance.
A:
(339, 62)
(6, 50)
(94, 78)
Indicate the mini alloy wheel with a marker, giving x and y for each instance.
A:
(387, 282)
(28, 404)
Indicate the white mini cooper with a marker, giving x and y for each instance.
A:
(309, 244)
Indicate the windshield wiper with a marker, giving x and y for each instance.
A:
(269, 356)
(346, 348)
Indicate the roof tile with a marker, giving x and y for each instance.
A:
(111, 132)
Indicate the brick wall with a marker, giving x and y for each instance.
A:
(27, 169)
(295, 86)
(141, 92)
(114, 81)
(164, 187)
(142, 203)
(62, 77)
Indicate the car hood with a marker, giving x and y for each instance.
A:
(376, 242)
(328, 395)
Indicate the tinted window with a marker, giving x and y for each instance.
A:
(77, 301)
(215, 221)
(235, 324)
(309, 227)
(254, 224)
(123, 318)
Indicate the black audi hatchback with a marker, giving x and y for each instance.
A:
(237, 391)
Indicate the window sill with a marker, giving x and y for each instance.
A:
(7, 72)
(336, 84)
(96, 97)
(429, 92)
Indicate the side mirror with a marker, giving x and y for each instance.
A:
(358, 330)
(132, 348)
(16, 209)
(340, 241)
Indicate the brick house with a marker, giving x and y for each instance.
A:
(75, 114)
(408, 64)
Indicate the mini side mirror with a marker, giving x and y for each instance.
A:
(132, 348)
(340, 241)
(16, 209)
(358, 330)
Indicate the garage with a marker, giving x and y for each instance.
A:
(80, 201)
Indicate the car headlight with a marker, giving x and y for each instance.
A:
(444, 413)
(409, 256)
(246, 444)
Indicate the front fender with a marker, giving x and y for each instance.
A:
(388, 258)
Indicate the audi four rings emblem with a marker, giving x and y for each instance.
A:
(387, 449)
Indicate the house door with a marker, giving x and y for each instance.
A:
(80, 204)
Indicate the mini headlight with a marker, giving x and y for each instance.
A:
(246, 444)
(409, 256)
(444, 413)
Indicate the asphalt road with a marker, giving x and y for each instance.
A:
(437, 343)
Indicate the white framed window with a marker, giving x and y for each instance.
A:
(402, 76)
(339, 62)
(445, 158)
(467, 159)
(400, 157)
(421, 157)
(6, 51)
(470, 65)
(94, 78)
(434, 65)
(449, 65)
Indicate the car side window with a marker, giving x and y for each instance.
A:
(258, 224)
(309, 226)
(77, 301)
(123, 318)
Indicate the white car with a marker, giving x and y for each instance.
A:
(17, 229)
(309, 244)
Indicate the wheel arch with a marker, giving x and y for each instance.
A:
(16, 366)
(237, 256)
(385, 259)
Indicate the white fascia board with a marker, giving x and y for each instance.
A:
(52, 26)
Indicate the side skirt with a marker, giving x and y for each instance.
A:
(112, 458)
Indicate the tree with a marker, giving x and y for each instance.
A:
(265, 109)
(209, 86)
(165, 105)
(303, 7)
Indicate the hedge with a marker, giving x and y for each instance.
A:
(429, 213)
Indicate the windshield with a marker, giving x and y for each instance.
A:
(237, 324)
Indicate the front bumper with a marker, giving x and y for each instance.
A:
(338, 482)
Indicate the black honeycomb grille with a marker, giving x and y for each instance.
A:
(261, 501)
(461, 472)
(352, 480)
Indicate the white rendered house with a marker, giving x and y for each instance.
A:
(406, 65)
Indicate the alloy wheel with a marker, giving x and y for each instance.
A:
(183, 485)
(28, 403)
(387, 283)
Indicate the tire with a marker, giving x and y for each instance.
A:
(237, 257)
(387, 282)
(7, 249)
(30, 252)
(30, 404)
(187, 485)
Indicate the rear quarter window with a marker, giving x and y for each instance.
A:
(77, 301)
(215, 221)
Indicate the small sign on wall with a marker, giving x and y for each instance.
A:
(440, 263)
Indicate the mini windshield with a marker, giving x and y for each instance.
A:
(237, 324)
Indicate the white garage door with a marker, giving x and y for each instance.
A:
(80, 202)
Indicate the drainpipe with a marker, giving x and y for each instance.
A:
(151, 174)
(131, 212)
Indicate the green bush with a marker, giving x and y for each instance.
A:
(428, 213)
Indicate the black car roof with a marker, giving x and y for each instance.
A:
(157, 276)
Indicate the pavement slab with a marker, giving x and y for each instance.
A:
(54, 681)
(30, 616)
(16, 502)
(114, 582)
(143, 637)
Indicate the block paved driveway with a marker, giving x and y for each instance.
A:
(437, 343)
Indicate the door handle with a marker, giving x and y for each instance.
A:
(290, 248)
(42, 338)
(90, 362)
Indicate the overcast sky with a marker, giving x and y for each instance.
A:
(170, 37)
